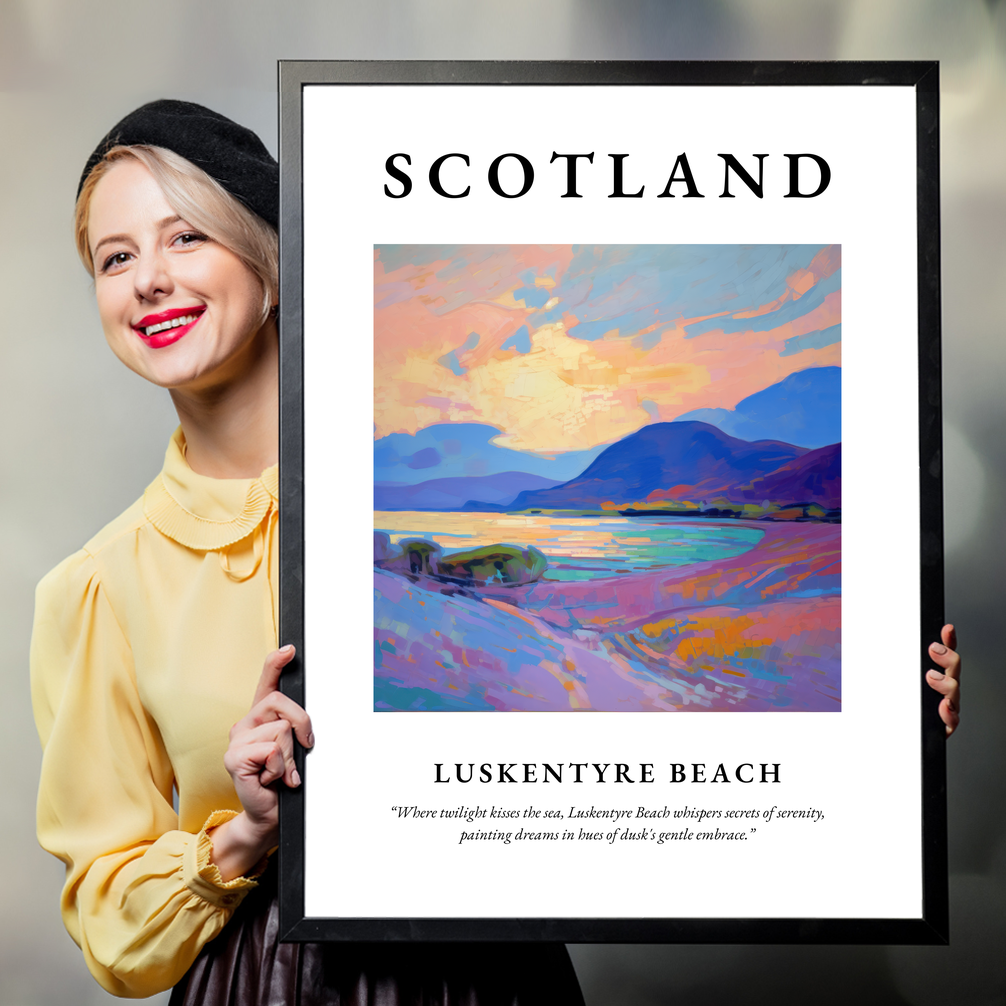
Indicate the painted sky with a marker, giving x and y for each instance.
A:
(566, 348)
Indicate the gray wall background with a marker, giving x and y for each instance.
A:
(82, 436)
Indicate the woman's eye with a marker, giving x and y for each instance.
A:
(190, 238)
(114, 261)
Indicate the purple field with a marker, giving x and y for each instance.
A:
(757, 631)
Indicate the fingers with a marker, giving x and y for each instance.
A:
(262, 760)
(272, 761)
(277, 706)
(265, 751)
(947, 658)
(261, 749)
(270, 703)
(949, 688)
(947, 680)
(280, 763)
(950, 717)
(271, 671)
(949, 636)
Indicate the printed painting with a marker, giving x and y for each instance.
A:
(607, 478)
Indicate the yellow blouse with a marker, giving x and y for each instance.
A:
(147, 647)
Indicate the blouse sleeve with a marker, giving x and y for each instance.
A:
(141, 898)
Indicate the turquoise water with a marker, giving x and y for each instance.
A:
(653, 545)
(581, 548)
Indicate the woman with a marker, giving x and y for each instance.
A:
(148, 643)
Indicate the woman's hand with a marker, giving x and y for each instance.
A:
(948, 681)
(260, 753)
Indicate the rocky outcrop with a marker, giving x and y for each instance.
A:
(493, 564)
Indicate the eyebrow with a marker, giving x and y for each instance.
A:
(160, 225)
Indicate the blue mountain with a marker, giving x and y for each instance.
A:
(804, 408)
(659, 457)
(452, 493)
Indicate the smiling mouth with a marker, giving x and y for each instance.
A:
(166, 324)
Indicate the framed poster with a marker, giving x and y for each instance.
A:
(621, 381)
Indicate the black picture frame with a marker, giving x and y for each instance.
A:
(932, 926)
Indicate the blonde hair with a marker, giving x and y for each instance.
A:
(199, 200)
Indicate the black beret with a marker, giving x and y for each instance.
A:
(231, 154)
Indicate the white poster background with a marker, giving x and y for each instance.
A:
(860, 766)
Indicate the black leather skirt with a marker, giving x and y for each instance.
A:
(246, 965)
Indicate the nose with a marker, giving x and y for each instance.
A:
(152, 276)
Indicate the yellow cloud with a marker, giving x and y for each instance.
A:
(564, 394)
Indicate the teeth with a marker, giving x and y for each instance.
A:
(173, 323)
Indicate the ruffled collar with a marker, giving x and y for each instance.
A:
(203, 513)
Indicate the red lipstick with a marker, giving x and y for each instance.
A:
(166, 327)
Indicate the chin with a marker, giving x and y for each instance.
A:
(177, 382)
(171, 374)
(195, 365)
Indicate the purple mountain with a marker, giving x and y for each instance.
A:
(452, 493)
(664, 460)
(815, 477)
